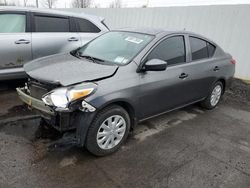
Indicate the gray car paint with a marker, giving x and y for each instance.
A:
(14, 55)
(147, 94)
(148, 90)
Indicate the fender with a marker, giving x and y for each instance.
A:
(83, 121)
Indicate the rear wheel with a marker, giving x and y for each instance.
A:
(214, 96)
(108, 131)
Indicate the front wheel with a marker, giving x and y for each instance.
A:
(108, 131)
(214, 96)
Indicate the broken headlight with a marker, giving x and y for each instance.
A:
(61, 97)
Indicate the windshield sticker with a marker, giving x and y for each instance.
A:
(119, 59)
(134, 40)
(124, 61)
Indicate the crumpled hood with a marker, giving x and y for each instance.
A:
(66, 69)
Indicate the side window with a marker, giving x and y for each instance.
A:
(171, 50)
(211, 49)
(51, 24)
(198, 48)
(86, 26)
(12, 23)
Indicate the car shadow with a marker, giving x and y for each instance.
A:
(11, 85)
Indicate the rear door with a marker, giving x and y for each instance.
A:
(87, 30)
(15, 40)
(53, 34)
(202, 67)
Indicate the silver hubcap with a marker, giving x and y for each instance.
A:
(216, 94)
(111, 132)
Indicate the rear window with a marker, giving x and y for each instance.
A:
(201, 49)
(86, 26)
(211, 49)
(51, 24)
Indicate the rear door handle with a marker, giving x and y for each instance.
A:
(22, 41)
(216, 68)
(72, 39)
(183, 76)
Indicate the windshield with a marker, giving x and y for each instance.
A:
(116, 47)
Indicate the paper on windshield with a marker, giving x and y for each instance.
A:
(120, 59)
(134, 40)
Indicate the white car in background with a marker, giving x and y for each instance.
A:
(29, 33)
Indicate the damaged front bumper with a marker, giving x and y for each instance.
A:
(50, 116)
(76, 122)
(62, 121)
(34, 103)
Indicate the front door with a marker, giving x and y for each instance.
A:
(165, 90)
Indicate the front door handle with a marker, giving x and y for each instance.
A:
(216, 68)
(183, 76)
(22, 41)
(72, 39)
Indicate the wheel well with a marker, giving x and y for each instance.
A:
(129, 108)
(223, 83)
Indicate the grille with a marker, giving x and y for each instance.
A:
(37, 89)
(37, 92)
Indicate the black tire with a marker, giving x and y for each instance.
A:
(207, 102)
(91, 141)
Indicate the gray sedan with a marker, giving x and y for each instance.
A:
(103, 89)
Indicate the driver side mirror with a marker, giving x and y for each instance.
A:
(155, 65)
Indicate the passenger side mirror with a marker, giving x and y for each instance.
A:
(155, 65)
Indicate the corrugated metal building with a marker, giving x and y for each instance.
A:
(227, 25)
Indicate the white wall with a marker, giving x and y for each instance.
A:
(227, 25)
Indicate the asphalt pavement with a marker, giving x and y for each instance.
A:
(190, 147)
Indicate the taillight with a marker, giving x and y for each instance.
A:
(233, 61)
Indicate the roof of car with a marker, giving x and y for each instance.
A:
(149, 31)
(153, 31)
(48, 11)
(164, 32)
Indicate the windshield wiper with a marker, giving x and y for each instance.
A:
(94, 59)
